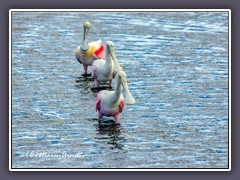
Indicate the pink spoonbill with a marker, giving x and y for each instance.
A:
(111, 103)
(87, 52)
(102, 70)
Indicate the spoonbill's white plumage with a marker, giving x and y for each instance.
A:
(87, 52)
(111, 103)
(102, 70)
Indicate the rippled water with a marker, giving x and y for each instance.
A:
(177, 68)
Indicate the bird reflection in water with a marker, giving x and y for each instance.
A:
(113, 131)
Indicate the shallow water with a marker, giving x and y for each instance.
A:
(177, 69)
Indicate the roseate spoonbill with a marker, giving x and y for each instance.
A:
(102, 70)
(86, 53)
(111, 103)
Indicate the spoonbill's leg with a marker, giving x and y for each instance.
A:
(99, 116)
(117, 117)
(110, 83)
(85, 70)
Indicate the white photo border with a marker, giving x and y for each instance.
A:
(120, 10)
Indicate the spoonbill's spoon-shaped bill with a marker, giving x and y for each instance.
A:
(128, 96)
(116, 67)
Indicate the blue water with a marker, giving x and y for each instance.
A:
(177, 69)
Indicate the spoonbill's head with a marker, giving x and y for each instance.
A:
(86, 27)
(87, 24)
(122, 77)
(110, 48)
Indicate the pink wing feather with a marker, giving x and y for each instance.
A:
(98, 102)
(99, 52)
(121, 106)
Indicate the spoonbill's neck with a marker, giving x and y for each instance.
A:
(84, 45)
(86, 33)
(108, 56)
(118, 92)
(108, 62)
